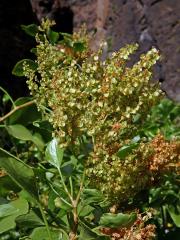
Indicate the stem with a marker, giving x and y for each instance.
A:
(16, 109)
(64, 185)
(71, 185)
(75, 213)
(47, 109)
(10, 98)
(45, 221)
(163, 218)
(80, 188)
(60, 196)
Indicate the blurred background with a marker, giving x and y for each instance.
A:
(147, 22)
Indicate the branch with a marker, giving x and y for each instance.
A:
(16, 109)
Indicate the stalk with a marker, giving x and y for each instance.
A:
(45, 221)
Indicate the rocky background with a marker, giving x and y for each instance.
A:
(148, 22)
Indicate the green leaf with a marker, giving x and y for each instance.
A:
(21, 173)
(18, 68)
(67, 168)
(126, 150)
(175, 215)
(40, 233)
(84, 211)
(29, 220)
(79, 46)
(5, 98)
(21, 206)
(117, 220)
(53, 36)
(54, 154)
(92, 196)
(89, 233)
(7, 185)
(6, 210)
(38, 140)
(61, 204)
(31, 29)
(20, 132)
(85, 234)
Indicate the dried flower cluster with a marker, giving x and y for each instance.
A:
(138, 231)
(165, 155)
(79, 93)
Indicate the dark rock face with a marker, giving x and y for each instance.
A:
(150, 23)
(147, 22)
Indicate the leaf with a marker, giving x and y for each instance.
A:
(40, 233)
(67, 168)
(61, 204)
(54, 154)
(21, 173)
(79, 46)
(21, 206)
(84, 211)
(87, 232)
(5, 98)
(53, 36)
(20, 132)
(175, 215)
(6, 210)
(31, 29)
(136, 139)
(44, 129)
(7, 185)
(117, 220)
(29, 220)
(18, 68)
(125, 150)
(92, 196)
(37, 139)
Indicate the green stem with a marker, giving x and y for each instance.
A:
(60, 196)
(71, 186)
(47, 109)
(64, 186)
(45, 221)
(163, 217)
(80, 188)
(10, 98)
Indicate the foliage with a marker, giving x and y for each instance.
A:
(74, 166)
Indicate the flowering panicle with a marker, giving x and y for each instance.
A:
(79, 93)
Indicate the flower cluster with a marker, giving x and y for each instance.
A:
(165, 155)
(121, 179)
(81, 90)
(80, 93)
